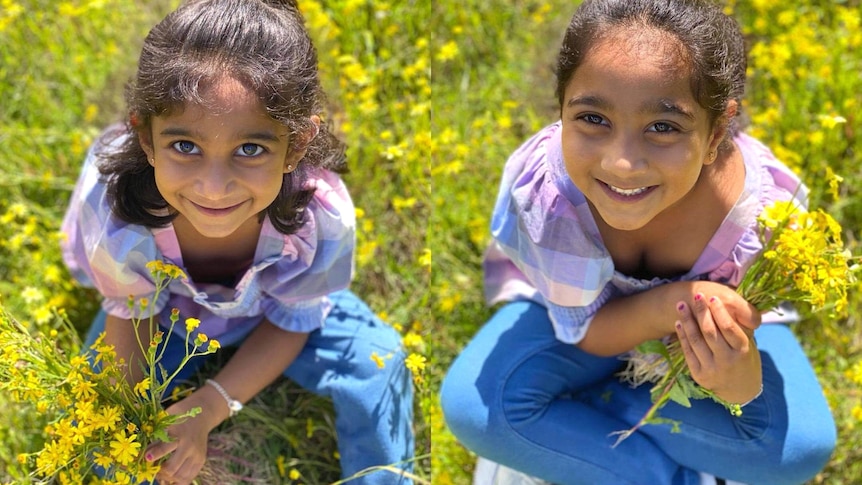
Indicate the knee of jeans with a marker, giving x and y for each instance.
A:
(803, 454)
(810, 453)
(465, 412)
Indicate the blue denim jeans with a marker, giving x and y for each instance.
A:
(373, 407)
(519, 397)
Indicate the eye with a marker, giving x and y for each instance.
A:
(249, 150)
(592, 119)
(185, 146)
(662, 127)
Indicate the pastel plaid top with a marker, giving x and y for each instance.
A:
(547, 248)
(287, 282)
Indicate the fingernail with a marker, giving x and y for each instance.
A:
(149, 457)
(712, 299)
(680, 306)
(678, 325)
(698, 297)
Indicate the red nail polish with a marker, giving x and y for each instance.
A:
(698, 297)
(678, 325)
(712, 299)
(149, 457)
(680, 306)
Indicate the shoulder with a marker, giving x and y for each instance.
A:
(318, 257)
(98, 246)
(331, 209)
(767, 180)
(777, 180)
(537, 192)
(543, 224)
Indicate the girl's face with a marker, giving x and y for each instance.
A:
(634, 137)
(220, 164)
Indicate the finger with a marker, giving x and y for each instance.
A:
(728, 328)
(171, 466)
(690, 358)
(689, 336)
(701, 332)
(747, 316)
(706, 322)
(188, 471)
(159, 450)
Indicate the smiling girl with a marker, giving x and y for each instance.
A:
(225, 170)
(634, 218)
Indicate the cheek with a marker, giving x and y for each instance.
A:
(579, 157)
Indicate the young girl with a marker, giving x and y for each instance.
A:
(633, 218)
(226, 171)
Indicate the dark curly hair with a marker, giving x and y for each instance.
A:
(261, 43)
(713, 42)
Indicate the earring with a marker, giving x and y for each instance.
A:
(289, 167)
(712, 155)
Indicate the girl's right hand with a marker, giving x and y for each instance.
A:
(721, 354)
(742, 312)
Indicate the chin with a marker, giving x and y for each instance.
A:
(215, 233)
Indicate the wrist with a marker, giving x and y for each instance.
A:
(233, 405)
(214, 409)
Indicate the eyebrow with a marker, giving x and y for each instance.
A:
(663, 105)
(257, 135)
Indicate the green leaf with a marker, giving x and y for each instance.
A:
(693, 389)
(161, 435)
(678, 395)
(654, 347)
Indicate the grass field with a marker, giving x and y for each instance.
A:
(431, 98)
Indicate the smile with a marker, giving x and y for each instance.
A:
(213, 211)
(627, 192)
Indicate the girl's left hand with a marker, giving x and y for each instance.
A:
(721, 354)
(188, 450)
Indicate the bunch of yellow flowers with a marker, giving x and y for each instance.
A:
(803, 261)
(102, 424)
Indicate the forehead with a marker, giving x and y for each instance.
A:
(636, 42)
(634, 65)
(225, 98)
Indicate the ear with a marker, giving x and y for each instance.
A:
(145, 138)
(720, 129)
(299, 144)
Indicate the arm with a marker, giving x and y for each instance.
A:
(120, 333)
(264, 355)
(624, 323)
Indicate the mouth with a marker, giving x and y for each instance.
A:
(633, 194)
(627, 192)
(216, 211)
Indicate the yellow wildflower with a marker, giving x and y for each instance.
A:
(142, 387)
(103, 461)
(279, 464)
(191, 324)
(415, 362)
(378, 360)
(124, 448)
(413, 340)
(448, 51)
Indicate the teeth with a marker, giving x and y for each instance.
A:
(628, 192)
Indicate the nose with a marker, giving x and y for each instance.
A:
(624, 156)
(214, 179)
